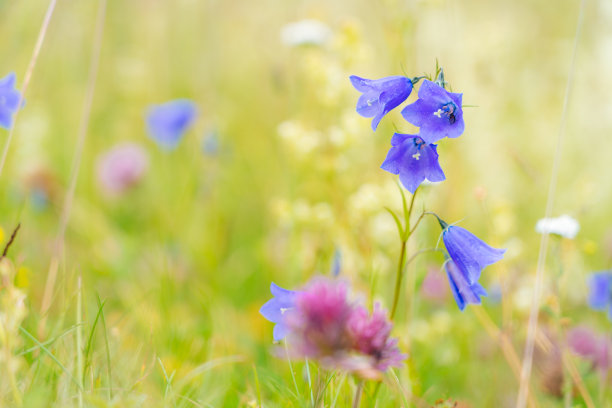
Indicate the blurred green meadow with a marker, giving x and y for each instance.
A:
(278, 177)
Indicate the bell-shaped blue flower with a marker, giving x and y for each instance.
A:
(470, 254)
(437, 112)
(464, 292)
(414, 161)
(276, 308)
(380, 96)
(600, 291)
(167, 123)
(9, 100)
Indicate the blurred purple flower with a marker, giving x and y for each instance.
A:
(469, 253)
(590, 346)
(380, 96)
(317, 328)
(9, 100)
(167, 123)
(464, 292)
(122, 167)
(437, 112)
(583, 341)
(414, 161)
(275, 309)
(600, 291)
(371, 337)
(434, 286)
(322, 323)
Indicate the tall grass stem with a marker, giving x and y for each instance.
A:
(539, 278)
(27, 77)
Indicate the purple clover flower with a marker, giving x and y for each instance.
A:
(9, 100)
(437, 112)
(122, 167)
(317, 328)
(276, 308)
(414, 161)
(600, 291)
(380, 96)
(463, 291)
(321, 322)
(371, 336)
(168, 122)
(591, 346)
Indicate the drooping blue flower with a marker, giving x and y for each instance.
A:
(464, 292)
(168, 122)
(437, 112)
(470, 254)
(276, 308)
(600, 291)
(9, 100)
(380, 96)
(414, 161)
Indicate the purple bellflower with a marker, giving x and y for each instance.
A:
(463, 291)
(469, 253)
(437, 112)
(414, 161)
(168, 122)
(468, 256)
(380, 96)
(276, 309)
(9, 100)
(600, 291)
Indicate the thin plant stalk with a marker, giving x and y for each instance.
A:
(309, 382)
(79, 341)
(76, 164)
(297, 390)
(358, 392)
(27, 77)
(532, 327)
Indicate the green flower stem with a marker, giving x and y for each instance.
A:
(400, 265)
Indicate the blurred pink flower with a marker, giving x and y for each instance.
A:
(591, 346)
(434, 286)
(371, 337)
(317, 325)
(122, 167)
(327, 326)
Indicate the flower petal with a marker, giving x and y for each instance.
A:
(470, 253)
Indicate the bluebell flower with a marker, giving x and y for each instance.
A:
(167, 123)
(437, 112)
(276, 308)
(380, 96)
(469, 253)
(464, 292)
(9, 100)
(414, 161)
(600, 291)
